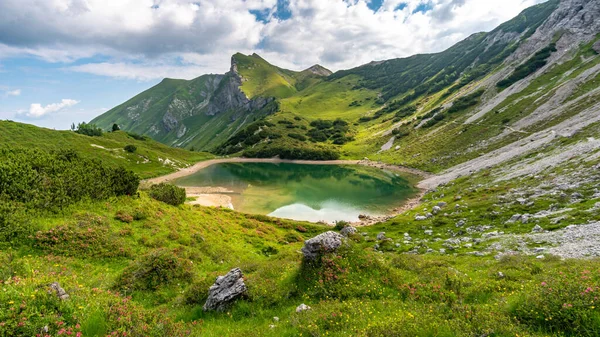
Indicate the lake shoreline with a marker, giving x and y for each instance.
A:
(216, 196)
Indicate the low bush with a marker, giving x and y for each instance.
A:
(87, 129)
(158, 268)
(130, 148)
(52, 180)
(565, 304)
(168, 193)
(82, 240)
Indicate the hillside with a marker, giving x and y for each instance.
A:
(503, 241)
(149, 160)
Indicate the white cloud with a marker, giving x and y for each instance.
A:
(36, 110)
(16, 92)
(149, 39)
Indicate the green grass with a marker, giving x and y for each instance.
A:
(145, 161)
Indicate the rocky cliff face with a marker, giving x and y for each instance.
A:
(231, 97)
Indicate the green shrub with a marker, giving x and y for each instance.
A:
(83, 239)
(136, 136)
(115, 127)
(157, 268)
(14, 222)
(87, 129)
(52, 180)
(565, 303)
(297, 136)
(339, 225)
(130, 148)
(168, 193)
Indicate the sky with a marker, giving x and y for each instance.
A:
(65, 61)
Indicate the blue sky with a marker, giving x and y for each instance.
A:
(65, 61)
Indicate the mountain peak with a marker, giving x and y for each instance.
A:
(317, 69)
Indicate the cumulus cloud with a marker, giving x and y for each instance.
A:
(36, 110)
(147, 39)
(15, 92)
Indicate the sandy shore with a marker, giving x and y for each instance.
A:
(221, 197)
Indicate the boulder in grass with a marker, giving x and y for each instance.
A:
(225, 291)
(322, 243)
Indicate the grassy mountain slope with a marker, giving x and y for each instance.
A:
(138, 267)
(150, 159)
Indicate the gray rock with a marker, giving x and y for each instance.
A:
(525, 218)
(596, 47)
(428, 215)
(225, 290)
(460, 223)
(428, 232)
(275, 319)
(436, 209)
(59, 291)
(500, 274)
(539, 250)
(381, 236)
(442, 251)
(537, 229)
(441, 204)
(420, 218)
(322, 243)
(539, 257)
(348, 230)
(514, 218)
(576, 195)
(302, 307)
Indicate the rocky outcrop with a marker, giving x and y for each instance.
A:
(348, 230)
(225, 290)
(322, 243)
(231, 97)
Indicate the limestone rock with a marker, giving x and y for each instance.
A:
(302, 307)
(60, 292)
(381, 236)
(322, 243)
(348, 230)
(225, 290)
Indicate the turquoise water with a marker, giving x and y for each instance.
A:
(306, 192)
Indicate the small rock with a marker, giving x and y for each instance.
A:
(514, 218)
(60, 292)
(441, 204)
(576, 195)
(420, 218)
(275, 319)
(428, 232)
(322, 243)
(500, 274)
(272, 326)
(460, 223)
(428, 215)
(539, 257)
(442, 251)
(302, 307)
(436, 209)
(348, 230)
(457, 198)
(539, 250)
(537, 229)
(381, 236)
(225, 290)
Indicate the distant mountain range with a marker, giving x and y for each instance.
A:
(429, 110)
